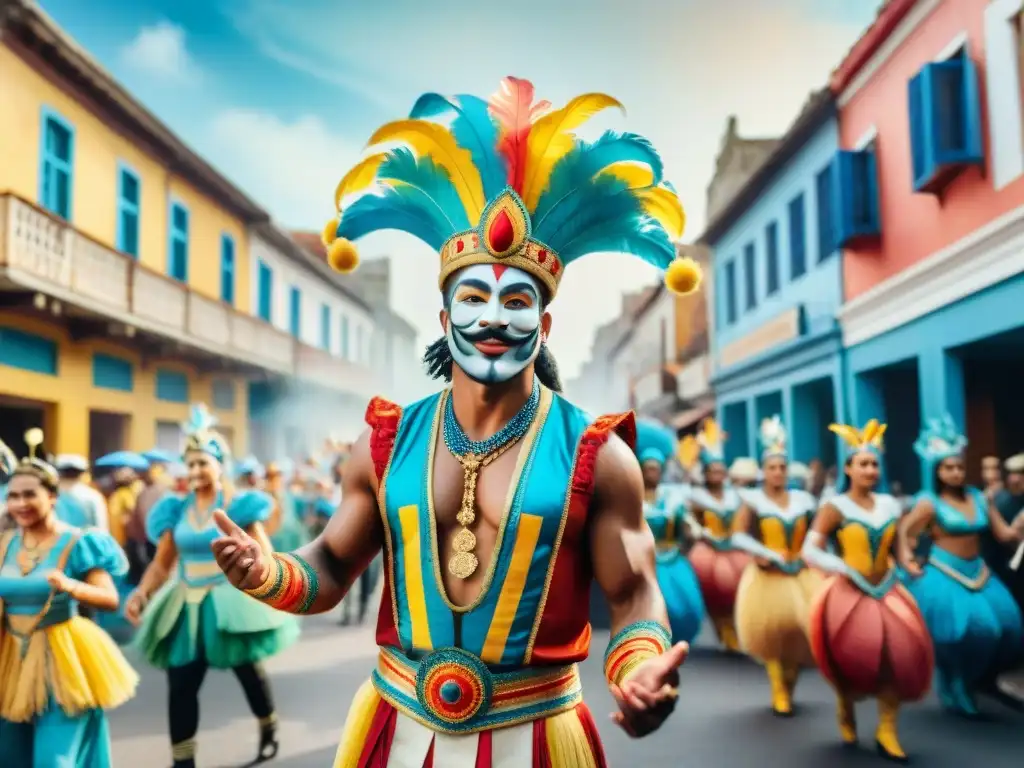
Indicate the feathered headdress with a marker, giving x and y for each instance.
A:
(711, 439)
(34, 465)
(689, 452)
(773, 438)
(654, 441)
(506, 182)
(201, 436)
(939, 440)
(867, 439)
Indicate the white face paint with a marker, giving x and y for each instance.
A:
(494, 316)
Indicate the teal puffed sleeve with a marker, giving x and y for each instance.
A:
(163, 517)
(96, 550)
(248, 507)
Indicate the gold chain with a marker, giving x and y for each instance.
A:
(463, 563)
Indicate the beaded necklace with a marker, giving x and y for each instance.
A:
(474, 455)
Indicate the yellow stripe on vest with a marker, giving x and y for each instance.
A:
(409, 519)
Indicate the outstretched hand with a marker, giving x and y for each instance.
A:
(648, 697)
(238, 554)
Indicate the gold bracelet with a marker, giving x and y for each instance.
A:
(271, 584)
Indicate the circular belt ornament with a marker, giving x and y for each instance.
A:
(453, 685)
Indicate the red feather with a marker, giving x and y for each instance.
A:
(512, 106)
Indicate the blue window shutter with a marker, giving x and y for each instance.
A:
(295, 310)
(266, 292)
(920, 128)
(27, 351)
(171, 386)
(825, 201)
(129, 196)
(325, 326)
(56, 163)
(797, 238)
(730, 293)
(855, 185)
(110, 372)
(771, 243)
(750, 275)
(178, 236)
(227, 269)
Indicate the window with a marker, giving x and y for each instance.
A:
(855, 189)
(730, 293)
(177, 266)
(325, 326)
(344, 338)
(945, 121)
(56, 162)
(265, 289)
(826, 233)
(110, 372)
(750, 275)
(227, 269)
(797, 238)
(295, 312)
(128, 211)
(171, 386)
(28, 351)
(771, 250)
(223, 394)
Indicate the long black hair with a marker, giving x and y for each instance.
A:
(438, 362)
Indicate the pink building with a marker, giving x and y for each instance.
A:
(933, 320)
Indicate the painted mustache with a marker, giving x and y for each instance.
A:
(496, 334)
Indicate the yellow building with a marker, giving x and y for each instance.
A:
(124, 262)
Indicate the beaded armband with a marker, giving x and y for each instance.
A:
(632, 646)
(291, 586)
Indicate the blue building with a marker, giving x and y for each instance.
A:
(777, 286)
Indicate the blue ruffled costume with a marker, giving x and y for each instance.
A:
(972, 617)
(58, 671)
(198, 613)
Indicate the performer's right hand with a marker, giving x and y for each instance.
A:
(238, 554)
(134, 606)
(910, 565)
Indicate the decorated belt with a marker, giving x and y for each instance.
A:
(452, 691)
(877, 591)
(973, 584)
(717, 543)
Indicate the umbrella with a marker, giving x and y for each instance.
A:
(158, 456)
(126, 459)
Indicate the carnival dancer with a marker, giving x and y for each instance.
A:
(665, 510)
(496, 500)
(195, 620)
(744, 473)
(773, 598)
(58, 671)
(973, 619)
(719, 566)
(868, 637)
(284, 526)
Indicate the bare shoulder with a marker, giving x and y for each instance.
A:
(618, 481)
(359, 472)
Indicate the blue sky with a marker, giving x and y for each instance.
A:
(280, 95)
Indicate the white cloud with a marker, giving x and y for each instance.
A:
(160, 51)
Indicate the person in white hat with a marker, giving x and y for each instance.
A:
(72, 470)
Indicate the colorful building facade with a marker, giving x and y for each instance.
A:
(933, 319)
(777, 285)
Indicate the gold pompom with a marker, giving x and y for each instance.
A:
(343, 256)
(330, 233)
(683, 276)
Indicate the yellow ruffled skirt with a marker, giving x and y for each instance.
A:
(772, 614)
(75, 664)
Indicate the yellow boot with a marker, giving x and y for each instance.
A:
(847, 720)
(886, 738)
(792, 675)
(782, 705)
(727, 635)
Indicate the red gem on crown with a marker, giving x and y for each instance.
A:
(501, 234)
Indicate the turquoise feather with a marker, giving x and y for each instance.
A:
(573, 177)
(474, 130)
(402, 208)
(607, 205)
(437, 193)
(647, 241)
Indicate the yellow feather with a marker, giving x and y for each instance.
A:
(877, 439)
(359, 178)
(551, 139)
(689, 451)
(850, 435)
(636, 176)
(664, 206)
(434, 141)
(712, 433)
(867, 434)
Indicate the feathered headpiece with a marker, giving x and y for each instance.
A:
(711, 439)
(506, 182)
(33, 465)
(689, 452)
(8, 462)
(201, 436)
(773, 438)
(867, 439)
(654, 441)
(939, 440)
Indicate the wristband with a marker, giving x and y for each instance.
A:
(291, 585)
(631, 647)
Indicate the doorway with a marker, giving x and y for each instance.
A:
(900, 387)
(108, 432)
(16, 418)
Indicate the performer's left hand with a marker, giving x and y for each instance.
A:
(648, 697)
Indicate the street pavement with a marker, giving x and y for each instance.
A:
(722, 720)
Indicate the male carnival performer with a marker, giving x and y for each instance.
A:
(496, 501)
